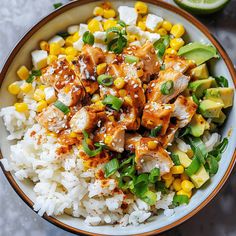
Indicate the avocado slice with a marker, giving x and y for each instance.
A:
(199, 86)
(200, 177)
(185, 161)
(225, 95)
(198, 52)
(200, 72)
(197, 125)
(221, 119)
(210, 109)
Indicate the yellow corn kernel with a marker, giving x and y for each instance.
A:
(182, 192)
(162, 31)
(63, 51)
(128, 100)
(140, 73)
(98, 11)
(94, 25)
(26, 87)
(51, 59)
(177, 185)
(109, 13)
(122, 92)
(108, 139)
(141, 7)
(21, 107)
(166, 25)
(42, 87)
(71, 51)
(54, 49)
(190, 153)
(111, 118)
(152, 145)
(95, 98)
(184, 177)
(176, 43)
(39, 95)
(144, 18)
(44, 45)
(101, 68)
(14, 88)
(177, 30)
(99, 105)
(23, 73)
(132, 37)
(119, 83)
(175, 170)
(75, 36)
(142, 25)
(187, 185)
(41, 105)
(109, 23)
(171, 51)
(69, 41)
(168, 182)
(167, 176)
(70, 58)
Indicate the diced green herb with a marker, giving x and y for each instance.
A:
(167, 87)
(88, 38)
(222, 81)
(180, 199)
(57, 5)
(113, 101)
(154, 132)
(154, 175)
(111, 167)
(105, 80)
(61, 106)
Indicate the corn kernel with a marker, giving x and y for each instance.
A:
(73, 135)
(75, 36)
(177, 185)
(119, 83)
(71, 51)
(128, 100)
(176, 43)
(63, 51)
(168, 182)
(55, 49)
(70, 58)
(41, 105)
(26, 87)
(166, 25)
(44, 45)
(111, 118)
(182, 192)
(171, 51)
(122, 92)
(177, 30)
(108, 139)
(51, 59)
(140, 73)
(69, 41)
(184, 177)
(144, 18)
(39, 95)
(109, 23)
(187, 185)
(98, 11)
(152, 145)
(101, 68)
(141, 7)
(94, 25)
(23, 73)
(167, 176)
(132, 37)
(99, 105)
(109, 13)
(142, 25)
(14, 88)
(21, 107)
(162, 31)
(95, 98)
(106, 5)
(42, 87)
(175, 170)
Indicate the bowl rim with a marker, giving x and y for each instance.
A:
(161, 4)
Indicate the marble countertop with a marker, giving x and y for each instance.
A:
(16, 219)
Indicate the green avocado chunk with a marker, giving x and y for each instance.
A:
(199, 86)
(221, 119)
(200, 72)
(200, 177)
(210, 109)
(225, 95)
(197, 125)
(198, 52)
(184, 160)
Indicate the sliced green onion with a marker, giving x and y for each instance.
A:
(149, 197)
(63, 34)
(175, 159)
(193, 167)
(117, 45)
(127, 178)
(57, 5)
(154, 132)
(195, 99)
(141, 185)
(111, 167)
(121, 23)
(131, 59)
(154, 175)
(61, 106)
(167, 87)
(220, 148)
(199, 149)
(114, 29)
(113, 101)
(86, 148)
(88, 38)
(127, 161)
(212, 165)
(161, 45)
(180, 199)
(160, 187)
(33, 74)
(105, 80)
(184, 131)
(222, 81)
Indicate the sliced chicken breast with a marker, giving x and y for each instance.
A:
(176, 62)
(131, 140)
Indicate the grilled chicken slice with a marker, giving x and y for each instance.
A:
(180, 83)
(176, 62)
(86, 119)
(131, 140)
(52, 119)
(147, 159)
(155, 114)
(129, 118)
(184, 110)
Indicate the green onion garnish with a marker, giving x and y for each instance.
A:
(154, 174)
(175, 159)
(193, 167)
(111, 167)
(167, 87)
(154, 132)
(57, 5)
(141, 184)
(86, 148)
(199, 149)
(121, 23)
(220, 148)
(212, 165)
(113, 101)
(88, 38)
(116, 45)
(180, 199)
(61, 106)
(131, 59)
(161, 45)
(184, 131)
(222, 81)
(33, 74)
(63, 34)
(105, 80)
(149, 197)
(195, 99)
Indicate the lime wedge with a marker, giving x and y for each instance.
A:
(202, 6)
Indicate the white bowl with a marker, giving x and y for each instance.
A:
(80, 11)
